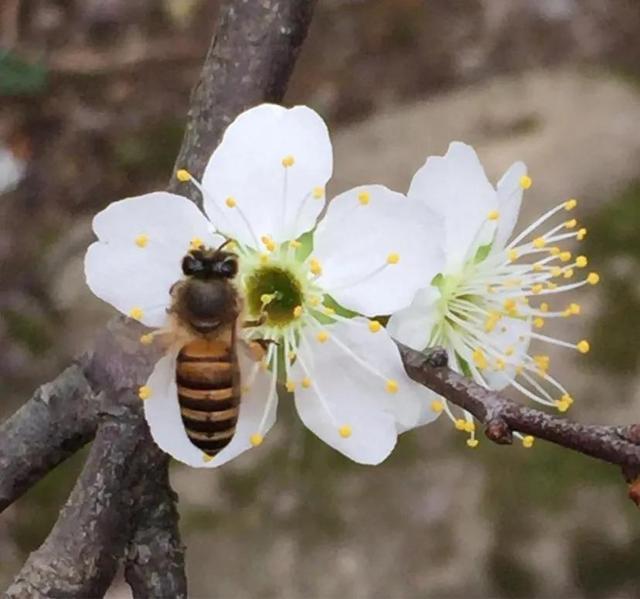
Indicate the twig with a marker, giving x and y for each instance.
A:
(618, 445)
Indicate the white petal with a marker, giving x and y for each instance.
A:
(509, 334)
(253, 408)
(343, 392)
(362, 229)
(509, 201)
(162, 412)
(414, 324)
(248, 166)
(456, 188)
(137, 259)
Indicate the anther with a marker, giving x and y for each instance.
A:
(527, 441)
(460, 424)
(136, 313)
(581, 234)
(345, 431)
(538, 323)
(593, 278)
(472, 443)
(581, 261)
(469, 426)
(364, 197)
(574, 309)
(539, 243)
(230, 202)
(583, 346)
(288, 161)
(146, 339)
(297, 312)
(306, 382)
(267, 298)
(322, 336)
(570, 204)
(493, 215)
(565, 256)
(290, 386)
(318, 193)
(526, 182)
(374, 326)
(256, 439)
(568, 273)
(196, 243)
(562, 405)
(144, 392)
(437, 406)
(544, 307)
(183, 175)
(570, 224)
(315, 267)
(479, 359)
(537, 288)
(393, 258)
(391, 386)
(141, 240)
(512, 255)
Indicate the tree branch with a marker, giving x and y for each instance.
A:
(58, 420)
(123, 494)
(618, 445)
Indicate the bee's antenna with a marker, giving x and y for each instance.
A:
(224, 243)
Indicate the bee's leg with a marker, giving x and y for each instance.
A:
(258, 348)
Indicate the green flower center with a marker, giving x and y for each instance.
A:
(274, 291)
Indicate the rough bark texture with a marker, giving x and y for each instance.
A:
(122, 504)
(57, 421)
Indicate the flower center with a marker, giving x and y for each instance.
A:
(275, 292)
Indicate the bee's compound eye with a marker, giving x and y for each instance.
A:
(191, 265)
(229, 267)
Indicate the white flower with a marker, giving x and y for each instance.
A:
(264, 188)
(484, 306)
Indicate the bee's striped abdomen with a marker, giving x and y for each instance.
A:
(208, 381)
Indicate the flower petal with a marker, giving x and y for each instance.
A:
(456, 188)
(509, 201)
(141, 244)
(511, 339)
(350, 376)
(377, 248)
(162, 412)
(414, 324)
(270, 161)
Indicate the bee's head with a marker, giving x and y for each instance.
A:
(207, 263)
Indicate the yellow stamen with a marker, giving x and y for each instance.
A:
(583, 346)
(537, 288)
(539, 242)
(322, 336)
(582, 233)
(391, 386)
(437, 406)
(183, 175)
(374, 326)
(469, 426)
(493, 215)
(256, 439)
(364, 197)
(288, 161)
(141, 240)
(306, 382)
(570, 204)
(472, 443)
(393, 258)
(581, 261)
(538, 322)
(196, 243)
(146, 339)
(345, 431)
(565, 256)
(570, 224)
(297, 312)
(574, 309)
(460, 424)
(136, 313)
(593, 278)
(315, 267)
(512, 255)
(144, 392)
(544, 307)
(526, 182)
(318, 193)
(528, 441)
(290, 385)
(479, 359)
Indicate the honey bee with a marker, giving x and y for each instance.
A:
(205, 309)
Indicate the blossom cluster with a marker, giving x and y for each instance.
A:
(320, 279)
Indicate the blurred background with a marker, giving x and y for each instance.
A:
(93, 96)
